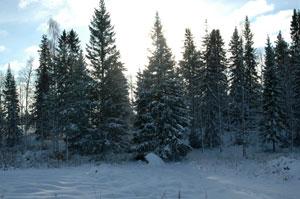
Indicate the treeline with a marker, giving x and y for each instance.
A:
(176, 107)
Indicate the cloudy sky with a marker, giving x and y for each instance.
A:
(22, 22)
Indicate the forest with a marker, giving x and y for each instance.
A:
(79, 102)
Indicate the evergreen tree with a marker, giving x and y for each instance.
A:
(237, 87)
(285, 84)
(41, 109)
(214, 90)
(272, 120)
(75, 112)
(190, 71)
(2, 116)
(252, 86)
(58, 89)
(295, 64)
(161, 110)
(11, 110)
(2, 122)
(110, 99)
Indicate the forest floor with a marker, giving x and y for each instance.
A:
(209, 175)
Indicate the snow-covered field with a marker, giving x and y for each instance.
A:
(208, 175)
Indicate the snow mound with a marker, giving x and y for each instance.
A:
(285, 167)
(154, 160)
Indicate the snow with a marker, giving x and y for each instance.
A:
(154, 160)
(284, 167)
(202, 175)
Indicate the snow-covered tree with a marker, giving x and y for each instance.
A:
(295, 64)
(285, 82)
(11, 110)
(190, 71)
(74, 107)
(272, 123)
(214, 90)
(252, 86)
(2, 116)
(162, 115)
(41, 108)
(110, 99)
(237, 87)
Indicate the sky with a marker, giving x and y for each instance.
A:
(22, 23)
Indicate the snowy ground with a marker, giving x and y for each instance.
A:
(208, 175)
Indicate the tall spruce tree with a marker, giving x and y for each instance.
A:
(295, 64)
(272, 120)
(237, 87)
(2, 116)
(110, 90)
(214, 90)
(252, 86)
(285, 83)
(41, 108)
(11, 110)
(190, 71)
(58, 87)
(77, 104)
(161, 111)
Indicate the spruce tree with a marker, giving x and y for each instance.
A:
(161, 110)
(75, 109)
(237, 87)
(2, 122)
(58, 88)
(272, 120)
(214, 90)
(295, 64)
(285, 83)
(11, 110)
(252, 86)
(110, 99)
(2, 116)
(190, 71)
(41, 110)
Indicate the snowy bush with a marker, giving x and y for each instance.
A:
(285, 167)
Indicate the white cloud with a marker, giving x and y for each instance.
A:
(253, 8)
(32, 51)
(2, 48)
(43, 27)
(270, 25)
(50, 4)
(24, 3)
(133, 21)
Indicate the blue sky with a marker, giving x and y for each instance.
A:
(22, 22)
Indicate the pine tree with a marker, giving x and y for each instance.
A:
(295, 64)
(110, 90)
(285, 83)
(41, 109)
(214, 90)
(11, 110)
(252, 86)
(162, 115)
(190, 71)
(272, 120)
